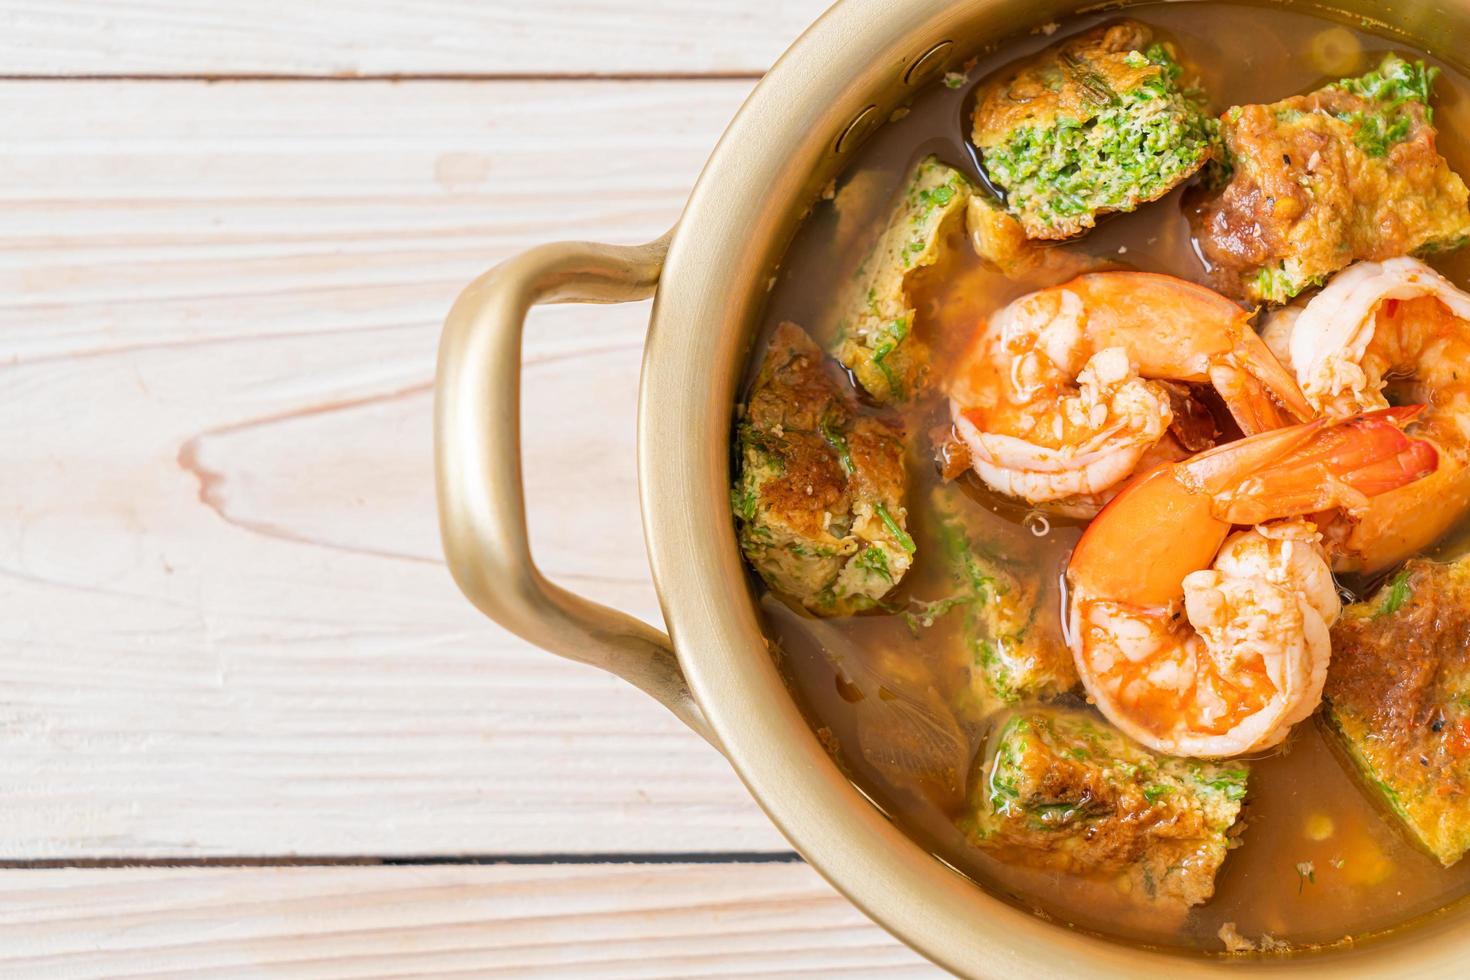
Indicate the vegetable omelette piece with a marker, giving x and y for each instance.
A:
(1094, 124)
(1013, 650)
(1064, 791)
(820, 489)
(874, 333)
(1398, 696)
(1307, 186)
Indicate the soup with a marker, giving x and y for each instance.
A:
(925, 613)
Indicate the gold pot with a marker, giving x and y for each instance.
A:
(709, 277)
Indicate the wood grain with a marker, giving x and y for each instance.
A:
(623, 921)
(227, 628)
(347, 38)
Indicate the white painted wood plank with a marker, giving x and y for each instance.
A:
(605, 921)
(227, 629)
(338, 38)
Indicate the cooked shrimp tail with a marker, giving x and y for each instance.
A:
(1334, 466)
(1199, 642)
(1260, 393)
(1295, 471)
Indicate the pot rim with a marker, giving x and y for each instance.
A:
(766, 168)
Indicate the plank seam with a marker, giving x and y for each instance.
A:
(431, 860)
(731, 76)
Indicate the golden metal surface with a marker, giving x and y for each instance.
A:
(766, 171)
(477, 461)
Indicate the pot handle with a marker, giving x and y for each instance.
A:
(477, 464)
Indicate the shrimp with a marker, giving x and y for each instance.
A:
(1067, 390)
(1197, 641)
(1380, 328)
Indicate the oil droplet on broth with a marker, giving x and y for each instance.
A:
(1319, 827)
(1336, 52)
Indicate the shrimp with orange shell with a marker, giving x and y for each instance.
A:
(1381, 332)
(1197, 638)
(1068, 391)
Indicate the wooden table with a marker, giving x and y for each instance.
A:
(247, 724)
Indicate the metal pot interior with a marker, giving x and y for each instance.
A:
(861, 61)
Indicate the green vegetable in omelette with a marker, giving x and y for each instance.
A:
(1304, 187)
(1095, 124)
(1064, 791)
(1398, 700)
(820, 485)
(873, 333)
(1013, 650)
